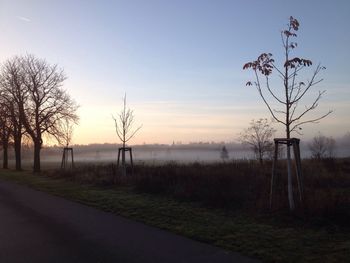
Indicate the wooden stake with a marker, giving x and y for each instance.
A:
(126, 149)
(296, 150)
(65, 156)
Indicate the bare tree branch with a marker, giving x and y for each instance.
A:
(311, 121)
(263, 97)
(124, 124)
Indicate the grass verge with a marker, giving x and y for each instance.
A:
(260, 237)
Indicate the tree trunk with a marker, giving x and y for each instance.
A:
(288, 105)
(260, 157)
(18, 155)
(290, 182)
(289, 169)
(123, 157)
(37, 148)
(5, 155)
(123, 161)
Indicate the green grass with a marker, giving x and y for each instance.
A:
(264, 237)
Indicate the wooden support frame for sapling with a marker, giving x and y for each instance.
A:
(65, 158)
(122, 151)
(66, 128)
(295, 143)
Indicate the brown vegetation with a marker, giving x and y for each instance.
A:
(238, 185)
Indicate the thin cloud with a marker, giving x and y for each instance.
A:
(23, 18)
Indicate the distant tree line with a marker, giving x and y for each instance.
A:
(33, 105)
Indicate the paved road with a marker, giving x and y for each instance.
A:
(37, 227)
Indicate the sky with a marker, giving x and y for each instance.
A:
(179, 62)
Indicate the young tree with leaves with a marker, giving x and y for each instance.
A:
(290, 97)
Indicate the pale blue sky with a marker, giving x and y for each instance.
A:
(180, 62)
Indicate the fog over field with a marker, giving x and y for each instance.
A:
(161, 153)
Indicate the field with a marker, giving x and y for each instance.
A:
(224, 204)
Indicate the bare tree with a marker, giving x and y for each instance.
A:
(259, 138)
(224, 154)
(14, 97)
(48, 104)
(322, 147)
(346, 139)
(290, 115)
(124, 123)
(66, 126)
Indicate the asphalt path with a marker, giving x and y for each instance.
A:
(38, 227)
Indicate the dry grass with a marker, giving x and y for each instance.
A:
(233, 185)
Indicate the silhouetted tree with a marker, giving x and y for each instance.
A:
(322, 147)
(66, 128)
(124, 123)
(259, 138)
(224, 154)
(15, 97)
(48, 104)
(291, 116)
(346, 139)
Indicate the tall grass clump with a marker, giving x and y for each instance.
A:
(224, 185)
